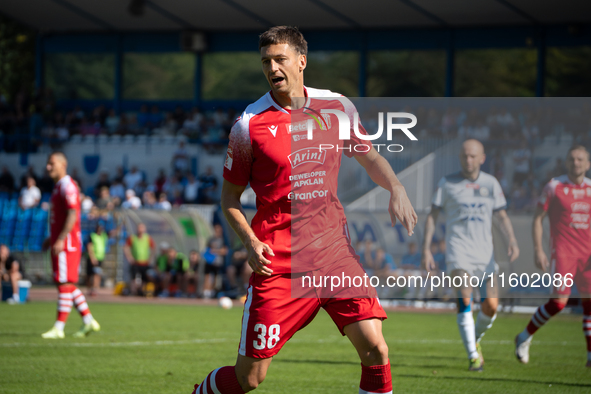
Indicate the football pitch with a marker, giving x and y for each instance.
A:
(146, 348)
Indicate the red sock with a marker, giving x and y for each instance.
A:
(587, 322)
(376, 379)
(543, 314)
(222, 380)
(64, 302)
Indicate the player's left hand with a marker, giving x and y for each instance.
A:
(400, 208)
(513, 251)
(58, 247)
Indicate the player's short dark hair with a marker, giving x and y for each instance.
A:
(579, 147)
(284, 35)
(59, 154)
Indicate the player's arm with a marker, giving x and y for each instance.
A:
(91, 255)
(427, 261)
(507, 230)
(234, 213)
(127, 252)
(380, 172)
(71, 218)
(540, 257)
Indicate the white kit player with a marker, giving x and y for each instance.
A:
(567, 202)
(469, 199)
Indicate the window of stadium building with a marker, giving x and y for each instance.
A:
(567, 72)
(80, 75)
(337, 71)
(406, 74)
(158, 76)
(233, 76)
(495, 72)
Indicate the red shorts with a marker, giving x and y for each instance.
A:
(271, 316)
(65, 266)
(579, 268)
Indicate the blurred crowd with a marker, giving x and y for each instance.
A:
(32, 121)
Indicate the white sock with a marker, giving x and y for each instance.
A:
(16, 297)
(59, 325)
(483, 323)
(524, 335)
(466, 326)
(87, 319)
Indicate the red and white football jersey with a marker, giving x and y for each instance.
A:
(65, 197)
(298, 213)
(568, 206)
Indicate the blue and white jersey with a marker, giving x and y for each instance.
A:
(469, 206)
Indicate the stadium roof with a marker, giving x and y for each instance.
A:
(225, 15)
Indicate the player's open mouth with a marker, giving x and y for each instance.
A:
(277, 80)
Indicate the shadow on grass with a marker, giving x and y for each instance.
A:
(498, 380)
(333, 362)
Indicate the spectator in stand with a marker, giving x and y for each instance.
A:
(102, 182)
(155, 118)
(131, 200)
(558, 170)
(117, 192)
(163, 204)
(159, 182)
(411, 260)
(193, 125)
(96, 247)
(149, 200)
(112, 122)
(140, 188)
(6, 180)
(138, 251)
(30, 173)
(521, 159)
(173, 188)
(132, 178)
(191, 190)
(132, 126)
(208, 187)
(143, 117)
(104, 198)
(46, 184)
(180, 159)
(179, 115)
(86, 203)
(169, 126)
(30, 196)
(239, 271)
(119, 175)
(10, 271)
(214, 255)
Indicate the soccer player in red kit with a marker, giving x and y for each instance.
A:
(66, 249)
(299, 218)
(567, 202)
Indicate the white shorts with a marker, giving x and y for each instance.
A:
(474, 269)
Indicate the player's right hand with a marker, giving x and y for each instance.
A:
(256, 260)
(45, 244)
(541, 260)
(427, 261)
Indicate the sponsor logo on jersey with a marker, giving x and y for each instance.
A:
(475, 186)
(273, 129)
(580, 207)
(578, 193)
(299, 137)
(229, 159)
(473, 212)
(484, 192)
(307, 195)
(307, 155)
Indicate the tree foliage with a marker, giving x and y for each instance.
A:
(17, 58)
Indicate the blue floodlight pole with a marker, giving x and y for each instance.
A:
(39, 61)
(118, 74)
(449, 65)
(541, 66)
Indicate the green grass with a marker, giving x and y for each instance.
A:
(167, 349)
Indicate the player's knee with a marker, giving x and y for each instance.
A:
(376, 355)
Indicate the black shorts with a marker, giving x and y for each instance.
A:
(140, 269)
(212, 269)
(92, 269)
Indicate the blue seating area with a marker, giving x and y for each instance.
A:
(21, 230)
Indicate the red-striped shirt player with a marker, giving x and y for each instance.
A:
(66, 249)
(299, 227)
(567, 202)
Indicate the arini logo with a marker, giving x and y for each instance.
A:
(307, 155)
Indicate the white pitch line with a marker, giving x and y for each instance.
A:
(295, 340)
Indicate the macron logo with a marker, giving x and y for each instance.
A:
(273, 130)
